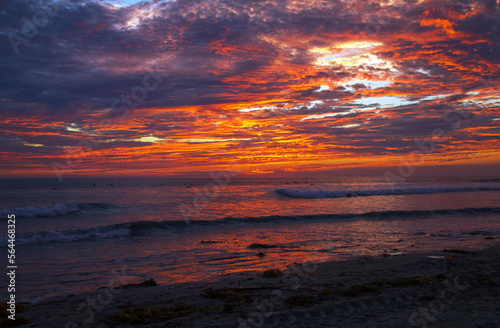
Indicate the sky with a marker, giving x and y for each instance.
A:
(274, 88)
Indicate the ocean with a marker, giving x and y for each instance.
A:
(75, 236)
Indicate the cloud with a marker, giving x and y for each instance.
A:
(317, 80)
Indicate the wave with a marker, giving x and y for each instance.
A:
(54, 210)
(71, 235)
(320, 193)
(41, 211)
(147, 227)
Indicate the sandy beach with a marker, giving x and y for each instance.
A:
(452, 288)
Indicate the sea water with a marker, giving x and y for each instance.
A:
(76, 235)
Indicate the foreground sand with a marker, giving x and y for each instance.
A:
(447, 289)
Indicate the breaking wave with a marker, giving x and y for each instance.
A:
(54, 210)
(148, 227)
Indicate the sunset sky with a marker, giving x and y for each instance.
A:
(129, 88)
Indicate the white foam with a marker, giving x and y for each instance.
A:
(41, 211)
(69, 235)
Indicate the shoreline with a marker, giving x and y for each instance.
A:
(431, 289)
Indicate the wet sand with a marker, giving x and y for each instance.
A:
(438, 289)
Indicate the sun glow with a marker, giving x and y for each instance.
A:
(354, 54)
